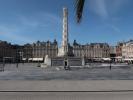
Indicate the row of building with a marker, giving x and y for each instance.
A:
(37, 51)
(91, 51)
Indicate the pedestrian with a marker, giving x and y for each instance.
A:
(110, 65)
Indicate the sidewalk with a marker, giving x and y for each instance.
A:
(102, 85)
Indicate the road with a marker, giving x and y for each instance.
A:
(61, 90)
(67, 96)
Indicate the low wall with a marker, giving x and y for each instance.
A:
(72, 61)
(57, 62)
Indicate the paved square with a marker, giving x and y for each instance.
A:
(94, 72)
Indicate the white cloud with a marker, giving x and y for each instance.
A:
(98, 7)
(114, 28)
(104, 8)
(24, 26)
(52, 18)
(28, 22)
(2, 33)
(13, 34)
(40, 20)
(118, 4)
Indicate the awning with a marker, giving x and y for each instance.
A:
(30, 58)
(23, 58)
(106, 59)
(119, 57)
(128, 59)
(97, 58)
(8, 57)
(37, 59)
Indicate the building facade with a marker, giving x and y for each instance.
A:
(27, 52)
(41, 49)
(127, 51)
(7, 51)
(91, 51)
(119, 49)
(38, 50)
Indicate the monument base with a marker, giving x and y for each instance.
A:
(69, 61)
(62, 53)
(47, 62)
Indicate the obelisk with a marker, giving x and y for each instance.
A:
(64, 46)
(65, 30)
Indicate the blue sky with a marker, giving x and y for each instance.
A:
(26, 21)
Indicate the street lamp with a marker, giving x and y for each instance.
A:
(110, 61)
(20, 55)
(3, 64)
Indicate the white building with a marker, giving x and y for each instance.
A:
(112, 49)
(91, 51)
(127, 51)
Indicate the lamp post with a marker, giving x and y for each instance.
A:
(17, 58)
(3, 64)
(110, 61)
(20, 55)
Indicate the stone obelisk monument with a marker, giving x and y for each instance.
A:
(65, 31)
(66, 57)
(64, 46)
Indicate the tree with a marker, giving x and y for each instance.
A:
(79, 9)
